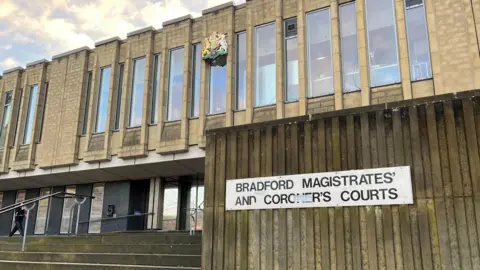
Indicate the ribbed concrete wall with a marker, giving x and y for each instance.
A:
(437, 137)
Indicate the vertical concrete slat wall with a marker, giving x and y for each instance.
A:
(436, 137)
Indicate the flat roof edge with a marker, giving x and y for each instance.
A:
(41, 61)
(140, 31)
(217, 8)
(176, 20)
(84, 48)
(105, 41)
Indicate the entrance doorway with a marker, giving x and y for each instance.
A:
(176, 204)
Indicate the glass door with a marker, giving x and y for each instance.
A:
(170, 206)
(194, 213)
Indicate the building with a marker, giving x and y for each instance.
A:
(143, 123)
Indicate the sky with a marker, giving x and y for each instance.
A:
(34, 30)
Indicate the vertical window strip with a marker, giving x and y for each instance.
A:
(418, 44)
(265, 65)
(44, 107)
(102, 102)
(32, 104)
(197, 58)
(218, 89)
(18, 116)
(175, 85)
(86, 103)
(319, 53)
(155, 89)
(349, 48)
(96, 208)
(136, 93)
(7, 111)
(42, 212)
(118, 111)
(382, 42)
(241, 72)
(67, 205)
(291, 60)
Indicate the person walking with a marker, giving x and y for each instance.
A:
(19, 216)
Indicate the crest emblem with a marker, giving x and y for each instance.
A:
(215, 49)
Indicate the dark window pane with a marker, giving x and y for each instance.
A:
(7, 111)
(155, 88)
(87, 103)
(119, 97)
(197, 58)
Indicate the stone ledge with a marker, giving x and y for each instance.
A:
(84, 48)
(12, 70)
(217, 8)
(177, 20)
(140, 31)
(41, 61)
(105, 41)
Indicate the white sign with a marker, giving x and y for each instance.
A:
(382, 186)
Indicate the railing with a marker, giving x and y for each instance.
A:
(33, 203)
(194, 217)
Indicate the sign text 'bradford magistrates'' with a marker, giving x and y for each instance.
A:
(382, 186)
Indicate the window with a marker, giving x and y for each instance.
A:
(20, 197)
(1, 200)
(382, 42)
(87, 103)
(32, 102)
(136, 96)
(196, 194)
(319, 53)
(175, 86)
(155, 88)
(7, 111)
(118, 111)
(20, 93)
(44, 107)
(417, 36)
(349, 46)
(241, 86)
(41, 221)
(197, 59)
(67, 205)
(218, 89)
(265, 65)
(102, 104)
(96, 209)
(291, 59)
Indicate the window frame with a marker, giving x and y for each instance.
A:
(130, 126)
(157, 63)
(88, 87)
(18, 116)
(285, 62)
(254, 94)
(397, 53)
(428, 39)
(31, 103)
(98, 100)
(44, 108)
(237, 77)
(341, 48)
(119, 94)
(169, 81)
(192, 94)
(5, 105)
(307, 38)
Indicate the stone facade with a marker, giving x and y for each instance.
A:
(454, 47)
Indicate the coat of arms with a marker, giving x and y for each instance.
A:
(215, 49)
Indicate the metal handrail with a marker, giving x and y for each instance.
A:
(33, 203)
(113, 218)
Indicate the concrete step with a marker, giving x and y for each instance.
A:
(124, 248)
(15, 265)
(104, 258)
(110, 239)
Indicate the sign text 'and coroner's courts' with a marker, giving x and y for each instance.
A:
(380, 186)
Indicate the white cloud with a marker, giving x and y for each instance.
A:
(9, 62)
(6, 8)
(6, 47)
(20, 38)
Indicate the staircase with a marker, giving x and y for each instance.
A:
(124, 251)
